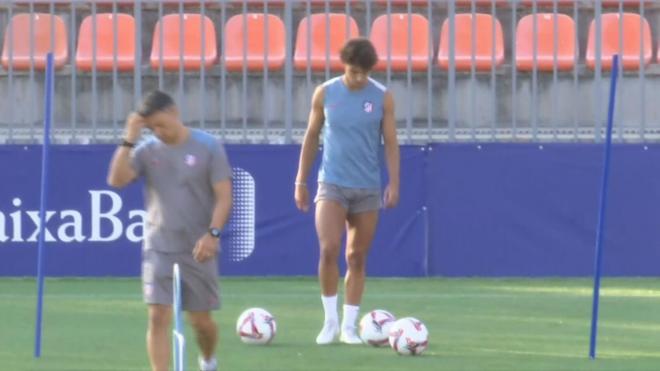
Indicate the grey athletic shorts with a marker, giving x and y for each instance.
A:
(354, 200)
(199, 281)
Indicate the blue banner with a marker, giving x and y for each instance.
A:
(465, 210)
(94, 230)
(531, 210)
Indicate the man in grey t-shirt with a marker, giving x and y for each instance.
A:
(188, 198)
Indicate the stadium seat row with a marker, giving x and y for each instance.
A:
(257, 41)
(460, 3)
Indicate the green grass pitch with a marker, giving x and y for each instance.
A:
(474, 324)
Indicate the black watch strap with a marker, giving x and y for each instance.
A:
(128, 144)
(215, 232)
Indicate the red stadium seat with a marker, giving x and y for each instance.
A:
(254, 43)
(545, 42)
(191, 50)
(32, 43)
(418, 51)
(105, 52)
(634, 28)
(484, 48)
(321, 42)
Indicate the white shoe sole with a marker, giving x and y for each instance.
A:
(350, 340)
(329, 340)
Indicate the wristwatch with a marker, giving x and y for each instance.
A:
(215, 232)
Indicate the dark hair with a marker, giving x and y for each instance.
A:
(359, 52)
(154, 102)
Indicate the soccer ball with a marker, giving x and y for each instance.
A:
(256, 326)
(375, 327)
(409, 336)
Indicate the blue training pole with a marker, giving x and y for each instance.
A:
(178, 340)
(600, 232)
(42, 207)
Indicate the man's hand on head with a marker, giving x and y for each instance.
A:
(134, 125)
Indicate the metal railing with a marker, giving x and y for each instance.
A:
(264, 105)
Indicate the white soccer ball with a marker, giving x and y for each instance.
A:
(256, 326)
(375, 327)
(409, 336)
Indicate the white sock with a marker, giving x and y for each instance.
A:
(350, 316)
(211, 364)
(330, 308)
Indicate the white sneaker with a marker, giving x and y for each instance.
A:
(328, 333)
(211, 365)
(349, 336)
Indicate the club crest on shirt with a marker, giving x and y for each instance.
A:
(367, 106)
(190, 160)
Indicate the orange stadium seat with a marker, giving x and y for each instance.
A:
(464, 50)
(258, 2)
(400, 50)
(41, 4)
(254, 43)
(404, 2)
(321, 42)
(626, 3)
(549, 3)
(481, 3)
(32, 43)
(333, 3)
(192, 47)
(545, 42)
(108, 3)
(154, 3)
(105, 51)
(633, 29)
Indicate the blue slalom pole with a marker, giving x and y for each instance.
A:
(42, 207)
(600, 232)
(178, 339)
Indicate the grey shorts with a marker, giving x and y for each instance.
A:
(199, 281)
(354, 200)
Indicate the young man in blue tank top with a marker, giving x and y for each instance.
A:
(355, 113)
